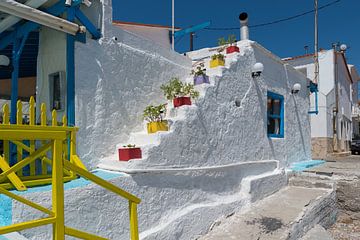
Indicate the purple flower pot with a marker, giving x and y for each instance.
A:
(201, 79)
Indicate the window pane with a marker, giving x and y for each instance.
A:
(276, 107)
(273, 126)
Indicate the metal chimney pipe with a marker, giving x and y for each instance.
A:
(244, 28)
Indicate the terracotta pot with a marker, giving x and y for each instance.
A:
(125, 154)
(180, 101)
(232, 49)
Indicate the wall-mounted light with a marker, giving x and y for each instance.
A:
(257, 69)
(4, 61)
(343, 47)
(296, 88)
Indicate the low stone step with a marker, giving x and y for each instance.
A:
(288, 214)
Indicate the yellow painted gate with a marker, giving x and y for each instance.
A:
(45, 153)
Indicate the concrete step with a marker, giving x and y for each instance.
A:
(317, 233)
(311, 181)
(288, 214)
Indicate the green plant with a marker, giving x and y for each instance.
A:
(218, 56)
(154, 113)
(175, 88)
(129, 146)
(200, 70)
(222, 41)
(230, 40)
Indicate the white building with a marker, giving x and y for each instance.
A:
(331, 128)
(355, 110)
(226, 151)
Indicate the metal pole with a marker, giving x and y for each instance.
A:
(316, 56)
(192, 41)
(173, 25)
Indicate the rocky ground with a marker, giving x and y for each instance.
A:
(346, 173)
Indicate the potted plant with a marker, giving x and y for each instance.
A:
(200, 75)
(128, 152)
(178, 92)
(154, 115)
(232, 48)
(219, 58)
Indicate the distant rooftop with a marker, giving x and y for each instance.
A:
(115, 22)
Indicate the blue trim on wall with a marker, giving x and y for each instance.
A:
(276, 96)
(86, 22)
(70, 71)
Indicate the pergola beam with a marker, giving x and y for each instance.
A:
(11, 20)
(23, 11)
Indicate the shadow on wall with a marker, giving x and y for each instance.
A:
(259, 94)
(215, 180)
(299, 124)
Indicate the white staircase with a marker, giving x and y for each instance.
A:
(174, 115)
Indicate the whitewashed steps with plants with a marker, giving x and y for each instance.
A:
(147, 141)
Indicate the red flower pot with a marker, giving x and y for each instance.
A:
(125, 154)
(180, 101)
(232, 49)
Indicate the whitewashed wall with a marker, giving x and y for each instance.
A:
(159, 35)
(321, 124)
(217, 132)
(51, 59)
(116, 78)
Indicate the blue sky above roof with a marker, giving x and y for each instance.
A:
(337, 23)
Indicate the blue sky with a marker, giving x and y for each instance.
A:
(337, 23)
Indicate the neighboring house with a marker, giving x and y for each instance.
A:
(355, 96)
(157, 33)
(331, 128)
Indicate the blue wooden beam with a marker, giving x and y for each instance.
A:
(70, 71)
(192, 29)
(55, 10)
(18, 47)
(96, 34)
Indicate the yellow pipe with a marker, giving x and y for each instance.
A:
(82, 235)
(25, 161)
(25, 225)
(58, 192)
(101, 182)
(26, 202)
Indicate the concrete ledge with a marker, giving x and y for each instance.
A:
(266, 184)
(178, 204)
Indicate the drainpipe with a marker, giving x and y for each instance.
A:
(336, 108)
(244, 28)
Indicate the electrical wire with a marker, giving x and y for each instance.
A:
(276, 21)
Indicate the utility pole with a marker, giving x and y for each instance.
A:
(316, 56)
(173, 25)
(192, 41)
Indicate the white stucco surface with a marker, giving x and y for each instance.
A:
(175, 205)
(116, 77)
(215, 131)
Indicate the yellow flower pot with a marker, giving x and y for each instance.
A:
(153, 127)
(217, 62)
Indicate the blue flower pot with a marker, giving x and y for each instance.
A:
(201, 79)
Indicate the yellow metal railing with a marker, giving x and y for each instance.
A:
(48, 144)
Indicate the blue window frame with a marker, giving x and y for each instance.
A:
(275, 115)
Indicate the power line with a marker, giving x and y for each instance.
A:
(279, 20)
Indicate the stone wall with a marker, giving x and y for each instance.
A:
(321, 147)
